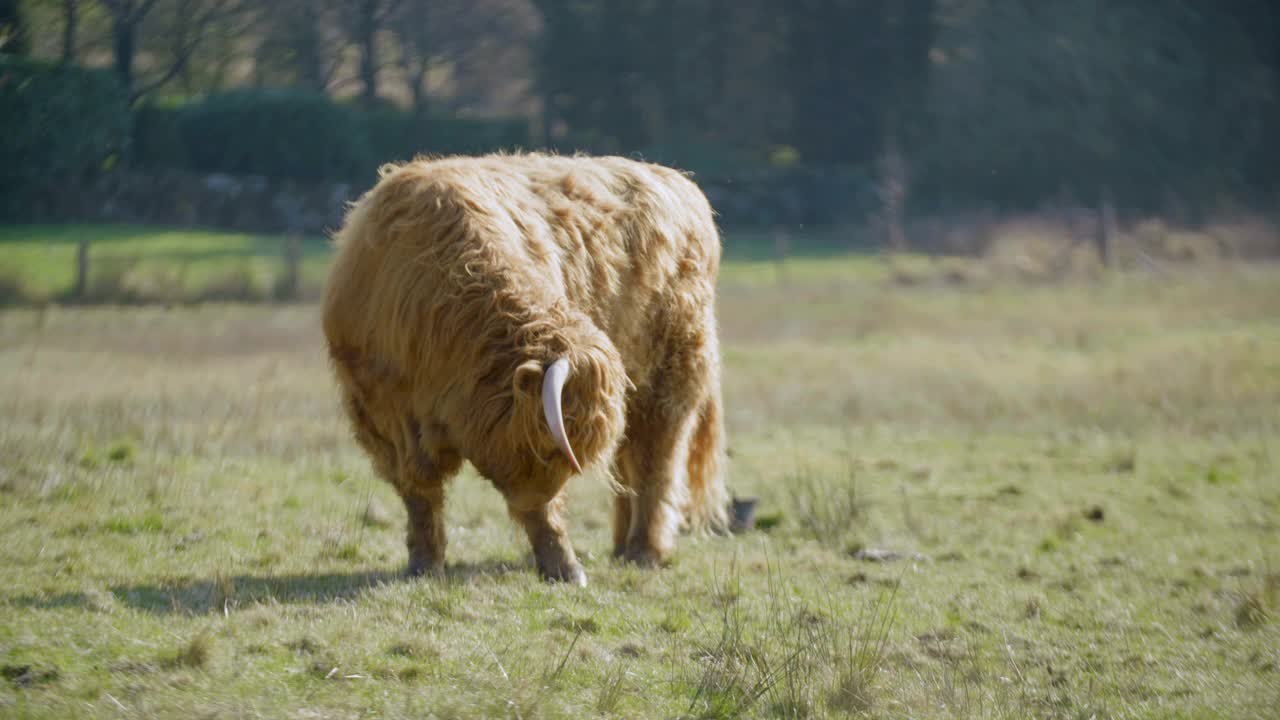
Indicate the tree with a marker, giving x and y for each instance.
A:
(70, 21)
(302, 43)
(487, 56)
(13, 28)
(1092, 98)
(614, 73)
(418, 40)
(910, 26)
(192, 21)
(364, 21)
(472, 41)
(192, 42)
(836, 79)
(572, 73)
(126, 17)
(909, 33)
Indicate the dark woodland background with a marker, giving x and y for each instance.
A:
(803, 111)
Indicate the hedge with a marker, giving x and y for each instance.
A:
(278, 133)
(56, 123)
(304, 136)
(157, 137)
(395, 135)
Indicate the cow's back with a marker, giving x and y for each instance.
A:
(631, 245)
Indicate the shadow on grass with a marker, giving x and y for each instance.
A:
(198, 596)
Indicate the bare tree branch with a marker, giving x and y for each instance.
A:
(180, 61)
(193, 30)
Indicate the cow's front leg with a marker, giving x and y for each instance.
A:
(544, 523)
(426, 537)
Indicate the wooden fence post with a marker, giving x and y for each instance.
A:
(1106, 228)
(292, 265)
(288, 285)
(81, 291)
(781, 251)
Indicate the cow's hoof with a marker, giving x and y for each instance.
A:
(570, 573)
(644, 557)
(424, 569)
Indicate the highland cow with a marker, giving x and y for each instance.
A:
(535, 315)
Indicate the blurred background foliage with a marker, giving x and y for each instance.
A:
(931, 105)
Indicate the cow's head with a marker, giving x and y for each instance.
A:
(569, 399)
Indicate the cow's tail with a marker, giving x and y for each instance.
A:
(708, 499)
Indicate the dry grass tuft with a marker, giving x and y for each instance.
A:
(196, 653)
(223, 591)
(575, 624)
(413, 648)
(1256, 607)
(825, 506)
(1033, 607)
(613, 689)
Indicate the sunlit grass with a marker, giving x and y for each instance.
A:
(983, 500)
(43, 258)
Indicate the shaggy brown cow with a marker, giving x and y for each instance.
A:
(529, 313)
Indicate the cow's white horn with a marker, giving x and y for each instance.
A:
(552, 388)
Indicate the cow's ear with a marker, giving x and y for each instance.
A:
(528, 379)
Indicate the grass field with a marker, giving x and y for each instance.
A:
(129, 263)
(982, 500)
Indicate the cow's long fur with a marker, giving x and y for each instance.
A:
(459, 280)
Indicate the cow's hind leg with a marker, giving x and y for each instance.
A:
(424, 468)
(708, 498)
(544, 523)
(651, 464)
(422, 489)
(673, 428)
(621, 515)
(418, 470)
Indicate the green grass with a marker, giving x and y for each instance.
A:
(1078, 487)
(148, 263)
(151, 263)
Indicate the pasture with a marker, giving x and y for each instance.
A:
(131, 263)
(978, 498)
